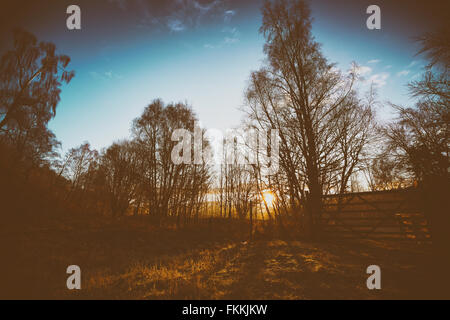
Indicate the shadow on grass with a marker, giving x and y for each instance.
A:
(131, 259)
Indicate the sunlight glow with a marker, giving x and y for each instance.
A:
(268, 197)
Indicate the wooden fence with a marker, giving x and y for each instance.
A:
(395, 215)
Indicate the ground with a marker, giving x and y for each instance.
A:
(132, 259)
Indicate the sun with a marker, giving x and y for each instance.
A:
(268, 197)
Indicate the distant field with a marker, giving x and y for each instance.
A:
(132, 259)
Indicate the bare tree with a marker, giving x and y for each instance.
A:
(354, 131)
(419, 138)
(77, 164)
(308, 100)
(168, 188)
(118, 163)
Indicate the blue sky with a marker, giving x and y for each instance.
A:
(202, 52)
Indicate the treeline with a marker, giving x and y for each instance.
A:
(135, 173)
(328, 138)
(137, 176)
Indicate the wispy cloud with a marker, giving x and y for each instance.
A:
(363, 70)
(231, 37)
(379, 79)
(225, 41)
(232, 31)
(416, 76)
(402, 73)
(374, 61)
(230, 40)
(228, 15)
(174, 15)
(107, 75)
(413, 63)
(176, 25)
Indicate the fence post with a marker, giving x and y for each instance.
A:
(251, 220)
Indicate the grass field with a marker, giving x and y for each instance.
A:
(130, 258)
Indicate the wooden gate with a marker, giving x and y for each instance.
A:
(395, 215)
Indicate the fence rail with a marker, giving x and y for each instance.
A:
(394, 215)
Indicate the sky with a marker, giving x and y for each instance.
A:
(202, 52)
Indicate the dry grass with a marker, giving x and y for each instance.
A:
(132, 259)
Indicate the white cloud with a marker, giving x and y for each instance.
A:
(335, 69)
(227, 15)
(402, 73)
(417, 75)
(378, 80)
(230, 30)
(176, 25)
(232, 36)
(412, 64)
(363, 70)
(206, 7)
(175, 15)
(104, 75)
(225, 41)
(373, 61)
(229, 40)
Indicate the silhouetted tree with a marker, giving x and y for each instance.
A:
(419, 138)
(119, 166)
(309, 101)
(30, 79)
(354, 130)
(382, 173)
(31, 75)
(168, 188)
